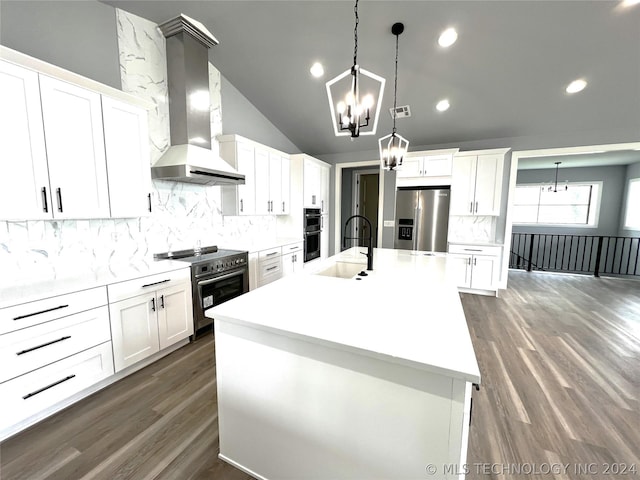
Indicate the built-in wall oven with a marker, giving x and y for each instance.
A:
(216, 277)
(312, 233)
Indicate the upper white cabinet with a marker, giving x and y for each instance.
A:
(126, 134)
(316, 176)
(75, 152)
(267, 182)
(476, 184)
(426, 166)
(24, 184)
(75, 149)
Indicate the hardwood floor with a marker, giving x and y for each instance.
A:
(560, 363)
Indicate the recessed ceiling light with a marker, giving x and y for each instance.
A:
(576, 86)
(443, 105)
(448, 37)
(317, 70)
(629, 3)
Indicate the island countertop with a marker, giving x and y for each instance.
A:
(406, 311)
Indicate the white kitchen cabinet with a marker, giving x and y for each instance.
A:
(312, 183)
(325, 173)
(475, 267)
(267, 171)
(476, 184)
(75, 149)
(175, 314)
(292, 259)
(126, 136)
(324, 237)
(24, 184)
(426, 166)
(285, 182)
(149, 314)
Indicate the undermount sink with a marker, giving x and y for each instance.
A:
(342, 270)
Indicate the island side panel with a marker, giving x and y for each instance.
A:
(293, 409)
(459, 429)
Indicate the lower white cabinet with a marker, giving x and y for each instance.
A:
(29, 394)
(475, 267)
(292, 259)
(149, 314)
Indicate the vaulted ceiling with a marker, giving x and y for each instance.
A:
(504, 77)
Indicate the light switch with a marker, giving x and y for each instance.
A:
(389, 223)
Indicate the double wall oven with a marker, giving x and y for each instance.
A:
(216, 276)
(312, 233)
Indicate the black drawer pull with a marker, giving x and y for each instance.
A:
(43, 345)
(156, 283)
(45, 205)
(59, 193)
(149, 198)
(272, 268)
(40, 313)
(29, 395)
(272, 253)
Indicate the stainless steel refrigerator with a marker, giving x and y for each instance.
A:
(422, 218)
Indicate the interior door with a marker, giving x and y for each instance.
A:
(367, 206)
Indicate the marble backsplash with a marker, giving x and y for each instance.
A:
(472, 229)
(183, 214)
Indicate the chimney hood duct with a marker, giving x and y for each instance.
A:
(190, 158)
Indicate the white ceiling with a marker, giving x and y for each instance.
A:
(505, 77)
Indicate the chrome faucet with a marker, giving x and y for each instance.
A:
(369, 253)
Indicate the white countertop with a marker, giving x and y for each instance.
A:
(11, 295)
(480, 244)
(259, 245)
(406, 311)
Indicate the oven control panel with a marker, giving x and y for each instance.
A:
(220, 265)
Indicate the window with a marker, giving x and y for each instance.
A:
(577, 205)
(632, 216)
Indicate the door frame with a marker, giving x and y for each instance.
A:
(338, 198)
(356, 194)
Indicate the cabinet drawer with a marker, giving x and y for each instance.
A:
(33, 392)
(269, 271)
(269, 254)
(40, 311)
(31, 348)
(142, 285)
(294, 247)
(475, 250)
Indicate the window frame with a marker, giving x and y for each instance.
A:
(596, 203)
(625, 225)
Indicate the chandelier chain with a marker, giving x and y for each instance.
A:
(395, 87)
(355, 35)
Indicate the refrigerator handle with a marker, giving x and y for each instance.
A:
(416, 226)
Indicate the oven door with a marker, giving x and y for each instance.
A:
(311, 246)
(216, 290)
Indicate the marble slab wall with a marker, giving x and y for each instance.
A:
(183, 214)
(472, 229)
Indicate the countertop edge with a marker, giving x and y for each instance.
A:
(460, 375)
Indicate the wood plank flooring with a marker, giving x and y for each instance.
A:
(559, 356)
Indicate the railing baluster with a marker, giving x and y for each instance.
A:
(557, 248)
(531, 237)
(584, 251)
(564, 249)
(599, 256)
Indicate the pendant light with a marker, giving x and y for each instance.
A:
(352, 114)
(555, 185)
(393, 146)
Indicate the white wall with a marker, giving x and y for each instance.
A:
(633, 171)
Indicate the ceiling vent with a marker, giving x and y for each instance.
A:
(400, 112)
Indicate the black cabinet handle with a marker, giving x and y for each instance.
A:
(272, 268)
(470, 411)
(241, 205)
(29, 395)
(40, 312)
(282, 207)
(156, 283)
(59, 194)
(43, 345)
(149, 198)
(477, 386)
(161, 301)
(45, 204)
(153, 304)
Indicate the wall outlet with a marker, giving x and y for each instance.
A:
(389, 223)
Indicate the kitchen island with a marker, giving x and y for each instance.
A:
(323, 376)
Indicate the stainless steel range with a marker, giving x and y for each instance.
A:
(216, 276)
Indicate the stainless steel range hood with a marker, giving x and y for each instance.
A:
(190, 158)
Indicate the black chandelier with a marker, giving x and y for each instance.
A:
(555, 184)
